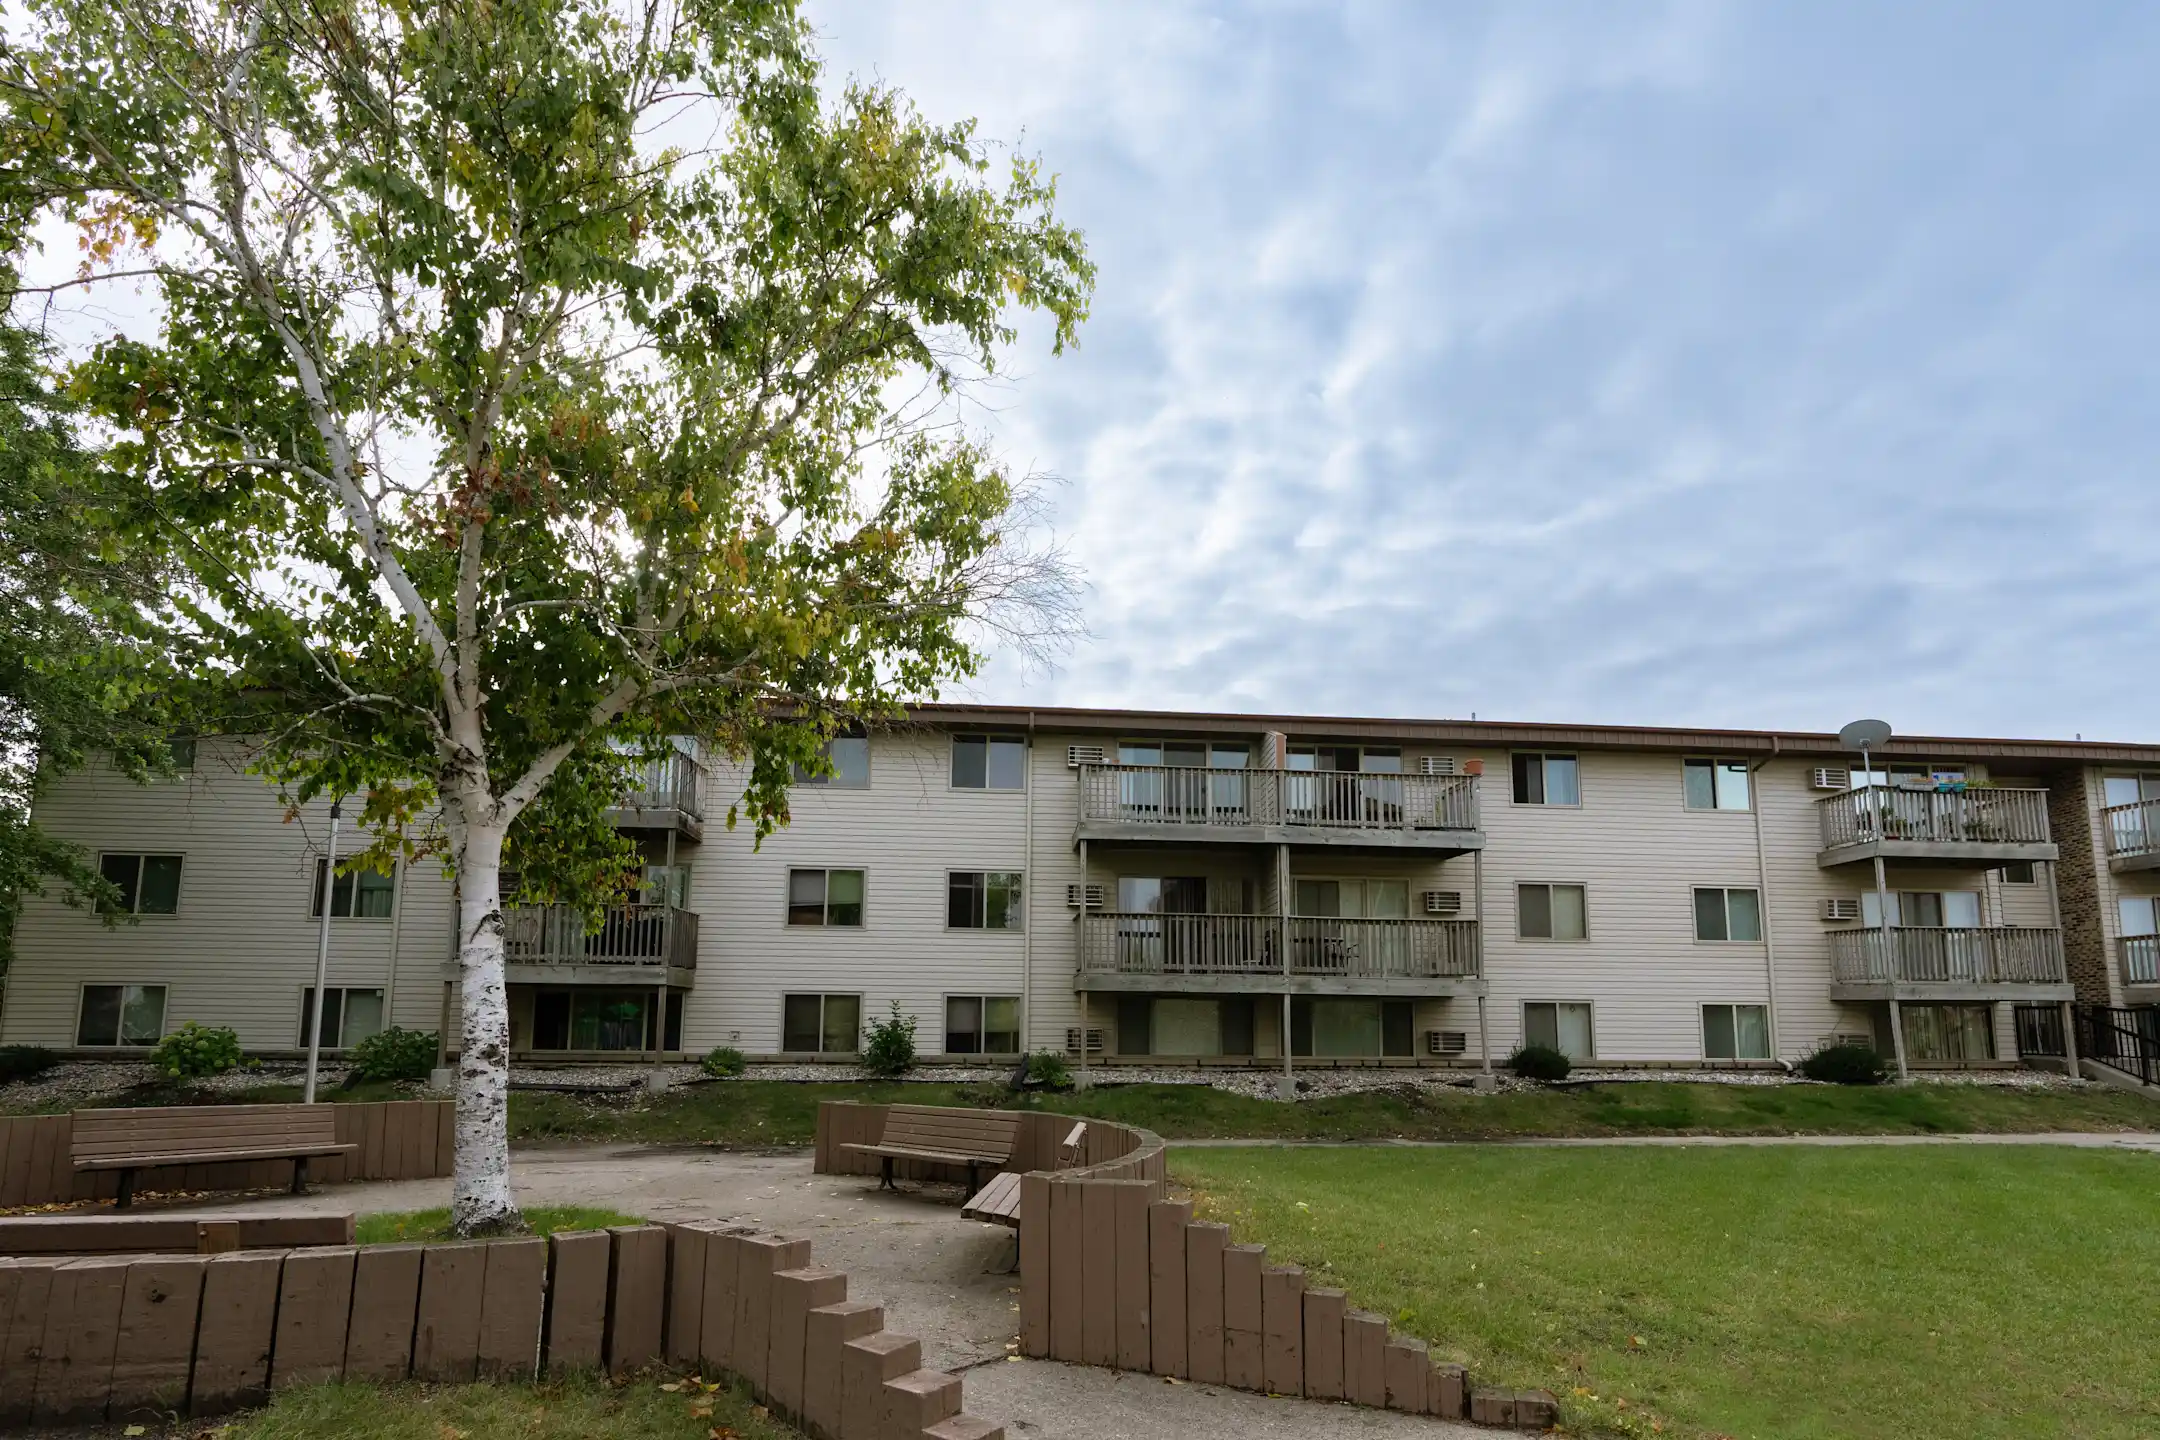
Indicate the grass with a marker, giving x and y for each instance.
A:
(759, 1113)
(1793, 1292)
(577, 1407)
(395, 1227)
(181, 1092)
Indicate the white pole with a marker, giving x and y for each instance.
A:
(322, 956)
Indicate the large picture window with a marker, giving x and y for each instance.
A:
(982, 1025)
(821, 1024)
(825, 897)
(1551, 912)
(365, 895)
(148, 884)
(121, 1015)
(983, 900)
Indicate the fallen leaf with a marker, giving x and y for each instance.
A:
(671, 1387)
(133, 1430)
(701, 1411)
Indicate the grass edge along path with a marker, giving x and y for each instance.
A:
(1788, 1293)
(572, 1407)
(407, 1227)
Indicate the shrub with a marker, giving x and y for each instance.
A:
(1539, 1062)
(20, 1062)
(722, 1062)
(1846, 1065)
(394, 1054)
(196, 1052)
(889, 1045)
(1048, 1069)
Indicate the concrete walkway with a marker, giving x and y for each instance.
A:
(939, 1277)
(2097, 1140)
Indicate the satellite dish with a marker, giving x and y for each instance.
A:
(1865, 735)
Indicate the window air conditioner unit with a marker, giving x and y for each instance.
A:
(1447, 1042)
(1078, 755)
(1072, 1040)
(1443, 902)
(1831, 777)
(1864, 1042)
(1092, 893)
(1841, 907)
(1436, 765)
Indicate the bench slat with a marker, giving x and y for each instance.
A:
(207, 1157)
(997, 1202)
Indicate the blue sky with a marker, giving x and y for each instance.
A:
(1672, 364)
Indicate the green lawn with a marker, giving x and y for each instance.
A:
(574, 1408)
(1747, 1292)
(393, 1227)
(760, 1113)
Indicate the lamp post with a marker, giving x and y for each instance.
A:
(322, 956)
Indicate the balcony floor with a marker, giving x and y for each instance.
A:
(1261, 983)
(1426, 842)
(1980, 854)
(614, 974)
(2133, 864)
(1925, 992)
(658, 817)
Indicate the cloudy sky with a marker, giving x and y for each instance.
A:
(1711, 364)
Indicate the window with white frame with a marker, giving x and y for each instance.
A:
(821, 1024)
(350, 1014)
(1714, 784)
(2019, 872)
(148, 884)
(117, 1015)
(983, 900)
(848, 759)
(360, 895)
(1736, 1032)
(1727, 914)
(989, 762)
(825, 897)
(1547, 780)
(982, 1024)
(1562, 1025)
(1551, 912)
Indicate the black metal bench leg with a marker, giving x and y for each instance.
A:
(299, 1175)
(885, 1180)
(127, 1190)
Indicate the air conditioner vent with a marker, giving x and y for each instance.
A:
(1093, 894)
(1831, 777)
(1436, 765)
(1072, 1040)
(1840, 907)
(1443, 902)
(1078, 755)
(1863, 1042)
(1447, 1042)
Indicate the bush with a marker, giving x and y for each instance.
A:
(1846, 1065)
(889, 1046)
(723, 1062)
(196, 1052)
(1048, 1069)
(393, 1054)
(20, 1062)
(1539, 1062)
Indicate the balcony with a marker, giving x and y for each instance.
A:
(635, 945)
(1172, 805)
(667, 798)
(2133, 835)
(2140, 955)
(1924, 962)
(1984, 826)
(1243, 954)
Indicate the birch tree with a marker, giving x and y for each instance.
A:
(533, 381)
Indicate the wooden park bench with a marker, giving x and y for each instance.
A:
(978, 1139)
(998, 1202)
(131, 1140)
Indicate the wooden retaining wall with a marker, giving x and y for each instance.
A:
(398, 1140)
(116, 1338)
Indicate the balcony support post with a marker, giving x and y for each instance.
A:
(1282, 910)
(1477, 900)
(1087, 1002)
(1890, 961)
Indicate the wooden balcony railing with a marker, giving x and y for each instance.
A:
(1948, 955)
(1321, 799)
(668, 783)
(2140, 959)
(628, 935)
(2133, 829)
(1988, 815)
(1170, 945)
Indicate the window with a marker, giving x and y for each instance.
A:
(1551, 912)
(850, 759)
(148, 884)
(821, 1024)
(372, 901)
(983, 900)
(2019, 872)
(348, 1015)
(598, 1019)
(1343, 1029)
(1356, 759)
(1714, 784)
(982, 1025)
(1931, 909)
(1948, 1034)
(2138, 914)
(1184, 754)
(1562, 1025)
(121, 1015)
(825, 897)
(989, 762)
(1728, 915)
(1546, 780)
(1736, 1032)
(1907, 774)
(182, 750)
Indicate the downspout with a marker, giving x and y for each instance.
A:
(397, 929)
(1027, 908)
(1762, 881)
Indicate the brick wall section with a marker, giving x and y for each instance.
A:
(2077, 886)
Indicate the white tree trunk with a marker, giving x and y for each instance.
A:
(480, 1195)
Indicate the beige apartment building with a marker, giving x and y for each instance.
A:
(1186, 888)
